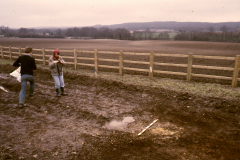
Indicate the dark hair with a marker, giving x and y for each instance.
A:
(28, 49)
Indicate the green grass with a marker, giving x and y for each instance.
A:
(204, 89)
(155, 35)
(172, 35)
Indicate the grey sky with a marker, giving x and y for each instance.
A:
(76, 13)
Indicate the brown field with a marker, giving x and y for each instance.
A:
(100, 119)
(168, 47)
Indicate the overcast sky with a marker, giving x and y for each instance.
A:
(79, 13)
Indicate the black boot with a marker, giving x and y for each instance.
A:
(58, 94)
(62, 90)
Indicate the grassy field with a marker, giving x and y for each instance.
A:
(155, 35)
(204, 89)
(169, 47)
(172, 35)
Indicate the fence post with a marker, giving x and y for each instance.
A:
(19, 49)
(2, 52)
(96, 59)
(151, 64)
(189, 68)
(75, 58)
(121, 62)
(43, 55)
(236, 70)
(96, 62)
(10, 51)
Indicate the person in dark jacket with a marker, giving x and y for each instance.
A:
(56, 64)
(27, 63)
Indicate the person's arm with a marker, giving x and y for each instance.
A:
(62, 61)
(51, 63)
(17, 63)
(34, 65)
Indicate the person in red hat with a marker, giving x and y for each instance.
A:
(56, 64)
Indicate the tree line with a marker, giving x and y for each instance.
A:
(210, 35)
(123, 34)
(85, 32)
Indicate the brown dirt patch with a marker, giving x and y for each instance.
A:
(77, 126)
(89, 122)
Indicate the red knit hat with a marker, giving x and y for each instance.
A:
(55, 52)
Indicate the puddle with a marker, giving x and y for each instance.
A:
(1, 87)
(119, 125)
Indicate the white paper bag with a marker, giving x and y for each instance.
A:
(17, 74)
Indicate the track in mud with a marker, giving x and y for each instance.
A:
(101, 119)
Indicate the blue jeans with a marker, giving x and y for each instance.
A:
(24, 79)
(59, 81)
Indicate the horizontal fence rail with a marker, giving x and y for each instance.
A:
(14, 52)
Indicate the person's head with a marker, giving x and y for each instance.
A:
(56, 54)
(28, 50)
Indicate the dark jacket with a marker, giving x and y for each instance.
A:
(56, 68)
(27, 64)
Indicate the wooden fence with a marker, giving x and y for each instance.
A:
(13, 51)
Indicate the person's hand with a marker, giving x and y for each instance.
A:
(61, 61)
(55, 61)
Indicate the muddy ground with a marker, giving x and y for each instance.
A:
(101, 119)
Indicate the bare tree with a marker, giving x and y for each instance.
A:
(211, 29)
(224, 28)
(58, 33)
(23, 30)
(163, 35)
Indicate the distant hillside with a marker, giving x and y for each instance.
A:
(172, 25)
(169, 25)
